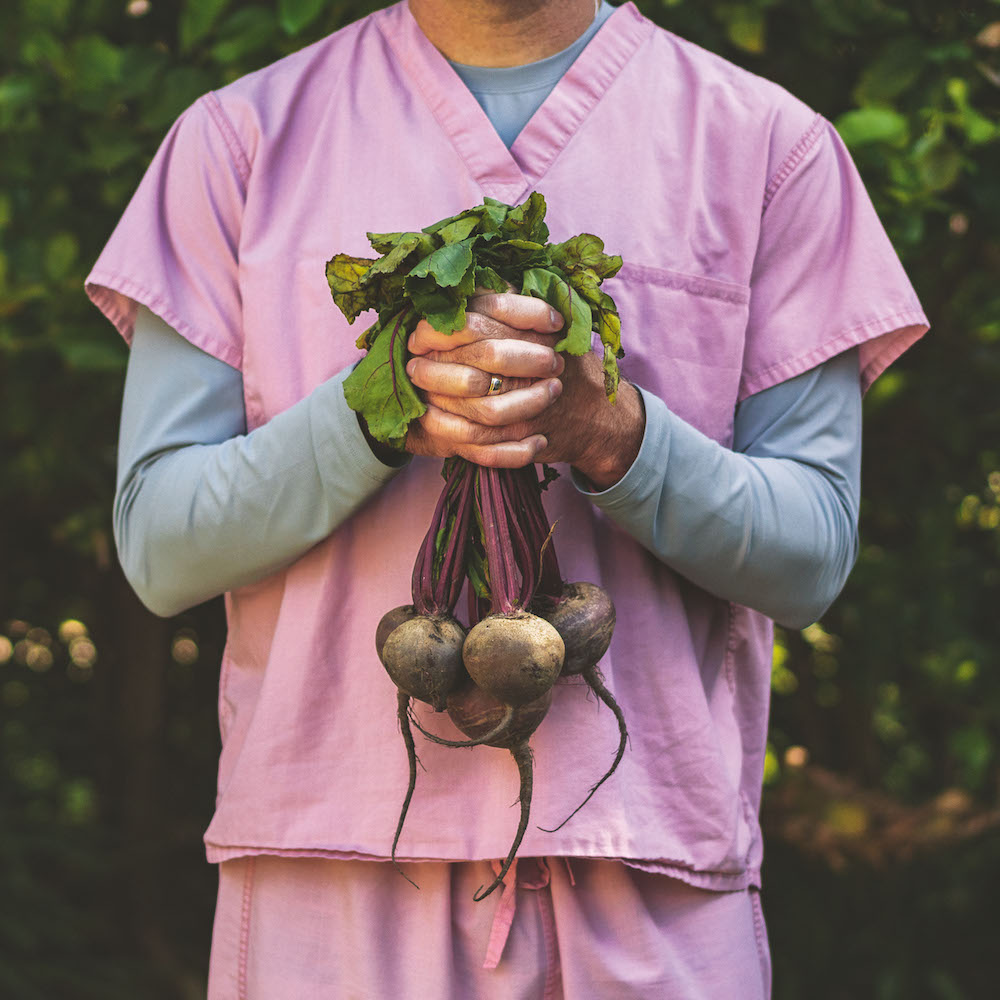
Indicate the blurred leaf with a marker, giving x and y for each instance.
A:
(745, 27)
(897, 67)
(869, 125)
(178, 89)
(294, 15)
(60, 255)
(973, 748)
(197, 19)
(939, 166)
(95, 64)
(110, 152)
(17, 92)
(242, 33)
(141, 68)
(49, 12)
(94, 355)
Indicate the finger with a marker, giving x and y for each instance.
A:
(484, 326)
(523, 312)
(501, 454)
(506, 455)
(453, 430)
(505, 409)
(516, 358)
(456, 380)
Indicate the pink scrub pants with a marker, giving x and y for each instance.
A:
(316, 929)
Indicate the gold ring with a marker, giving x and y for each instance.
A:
(496, 385)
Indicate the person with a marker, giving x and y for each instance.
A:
(759, 298)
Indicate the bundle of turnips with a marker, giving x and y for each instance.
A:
(489, 534)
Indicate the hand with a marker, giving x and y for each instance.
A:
(551, 420)
(506, 335)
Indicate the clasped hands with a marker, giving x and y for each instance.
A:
(551, 408)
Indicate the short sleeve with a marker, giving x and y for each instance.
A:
(825, 277)
(175, 248)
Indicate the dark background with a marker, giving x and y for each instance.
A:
(882, 806)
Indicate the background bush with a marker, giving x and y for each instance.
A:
(882, 804)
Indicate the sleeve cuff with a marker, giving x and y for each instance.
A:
(340, 439)
(648, 467)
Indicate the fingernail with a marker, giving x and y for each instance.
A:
(555, 317)
(540, 444)
(555, 388)
(557, 364)
(410, 365)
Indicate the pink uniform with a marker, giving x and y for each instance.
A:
(752, 254)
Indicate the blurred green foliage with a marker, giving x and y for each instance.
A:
(108, 737)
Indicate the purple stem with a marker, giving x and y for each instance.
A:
(452, 572)
(525, 557)
(499, 556)
(434, 593)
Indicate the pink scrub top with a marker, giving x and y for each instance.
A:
(752, 254)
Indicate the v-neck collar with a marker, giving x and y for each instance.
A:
(511, 174)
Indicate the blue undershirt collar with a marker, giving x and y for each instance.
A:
(510, 95)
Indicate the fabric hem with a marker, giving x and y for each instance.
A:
(912, 319)
(711, 880)
(100, 284)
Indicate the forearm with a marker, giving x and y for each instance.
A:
(770, 531)
(196, 516)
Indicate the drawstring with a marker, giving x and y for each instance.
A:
(503, 917)
(569, 873)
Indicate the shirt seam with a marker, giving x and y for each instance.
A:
(226, 129)
(578, 125)
(794, 158)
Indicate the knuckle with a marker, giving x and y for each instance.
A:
(490, 414)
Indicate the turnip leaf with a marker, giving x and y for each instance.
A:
(585, 251)
(526, 221)
(379, 388)
(554, 288)
(460, 229)
(345, 274)
(486, 277)
(447, 265)
(405, 245)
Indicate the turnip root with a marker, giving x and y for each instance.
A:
(475, 712)
(423, 656)
(403, 716)
(584, 616)
(389, 622)
(515, 657)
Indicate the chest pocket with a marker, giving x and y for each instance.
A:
(684, 337)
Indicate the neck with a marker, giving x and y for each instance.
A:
(501, 32)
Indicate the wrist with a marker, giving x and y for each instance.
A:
(617, 435)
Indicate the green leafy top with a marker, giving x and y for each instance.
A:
(431, 274)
